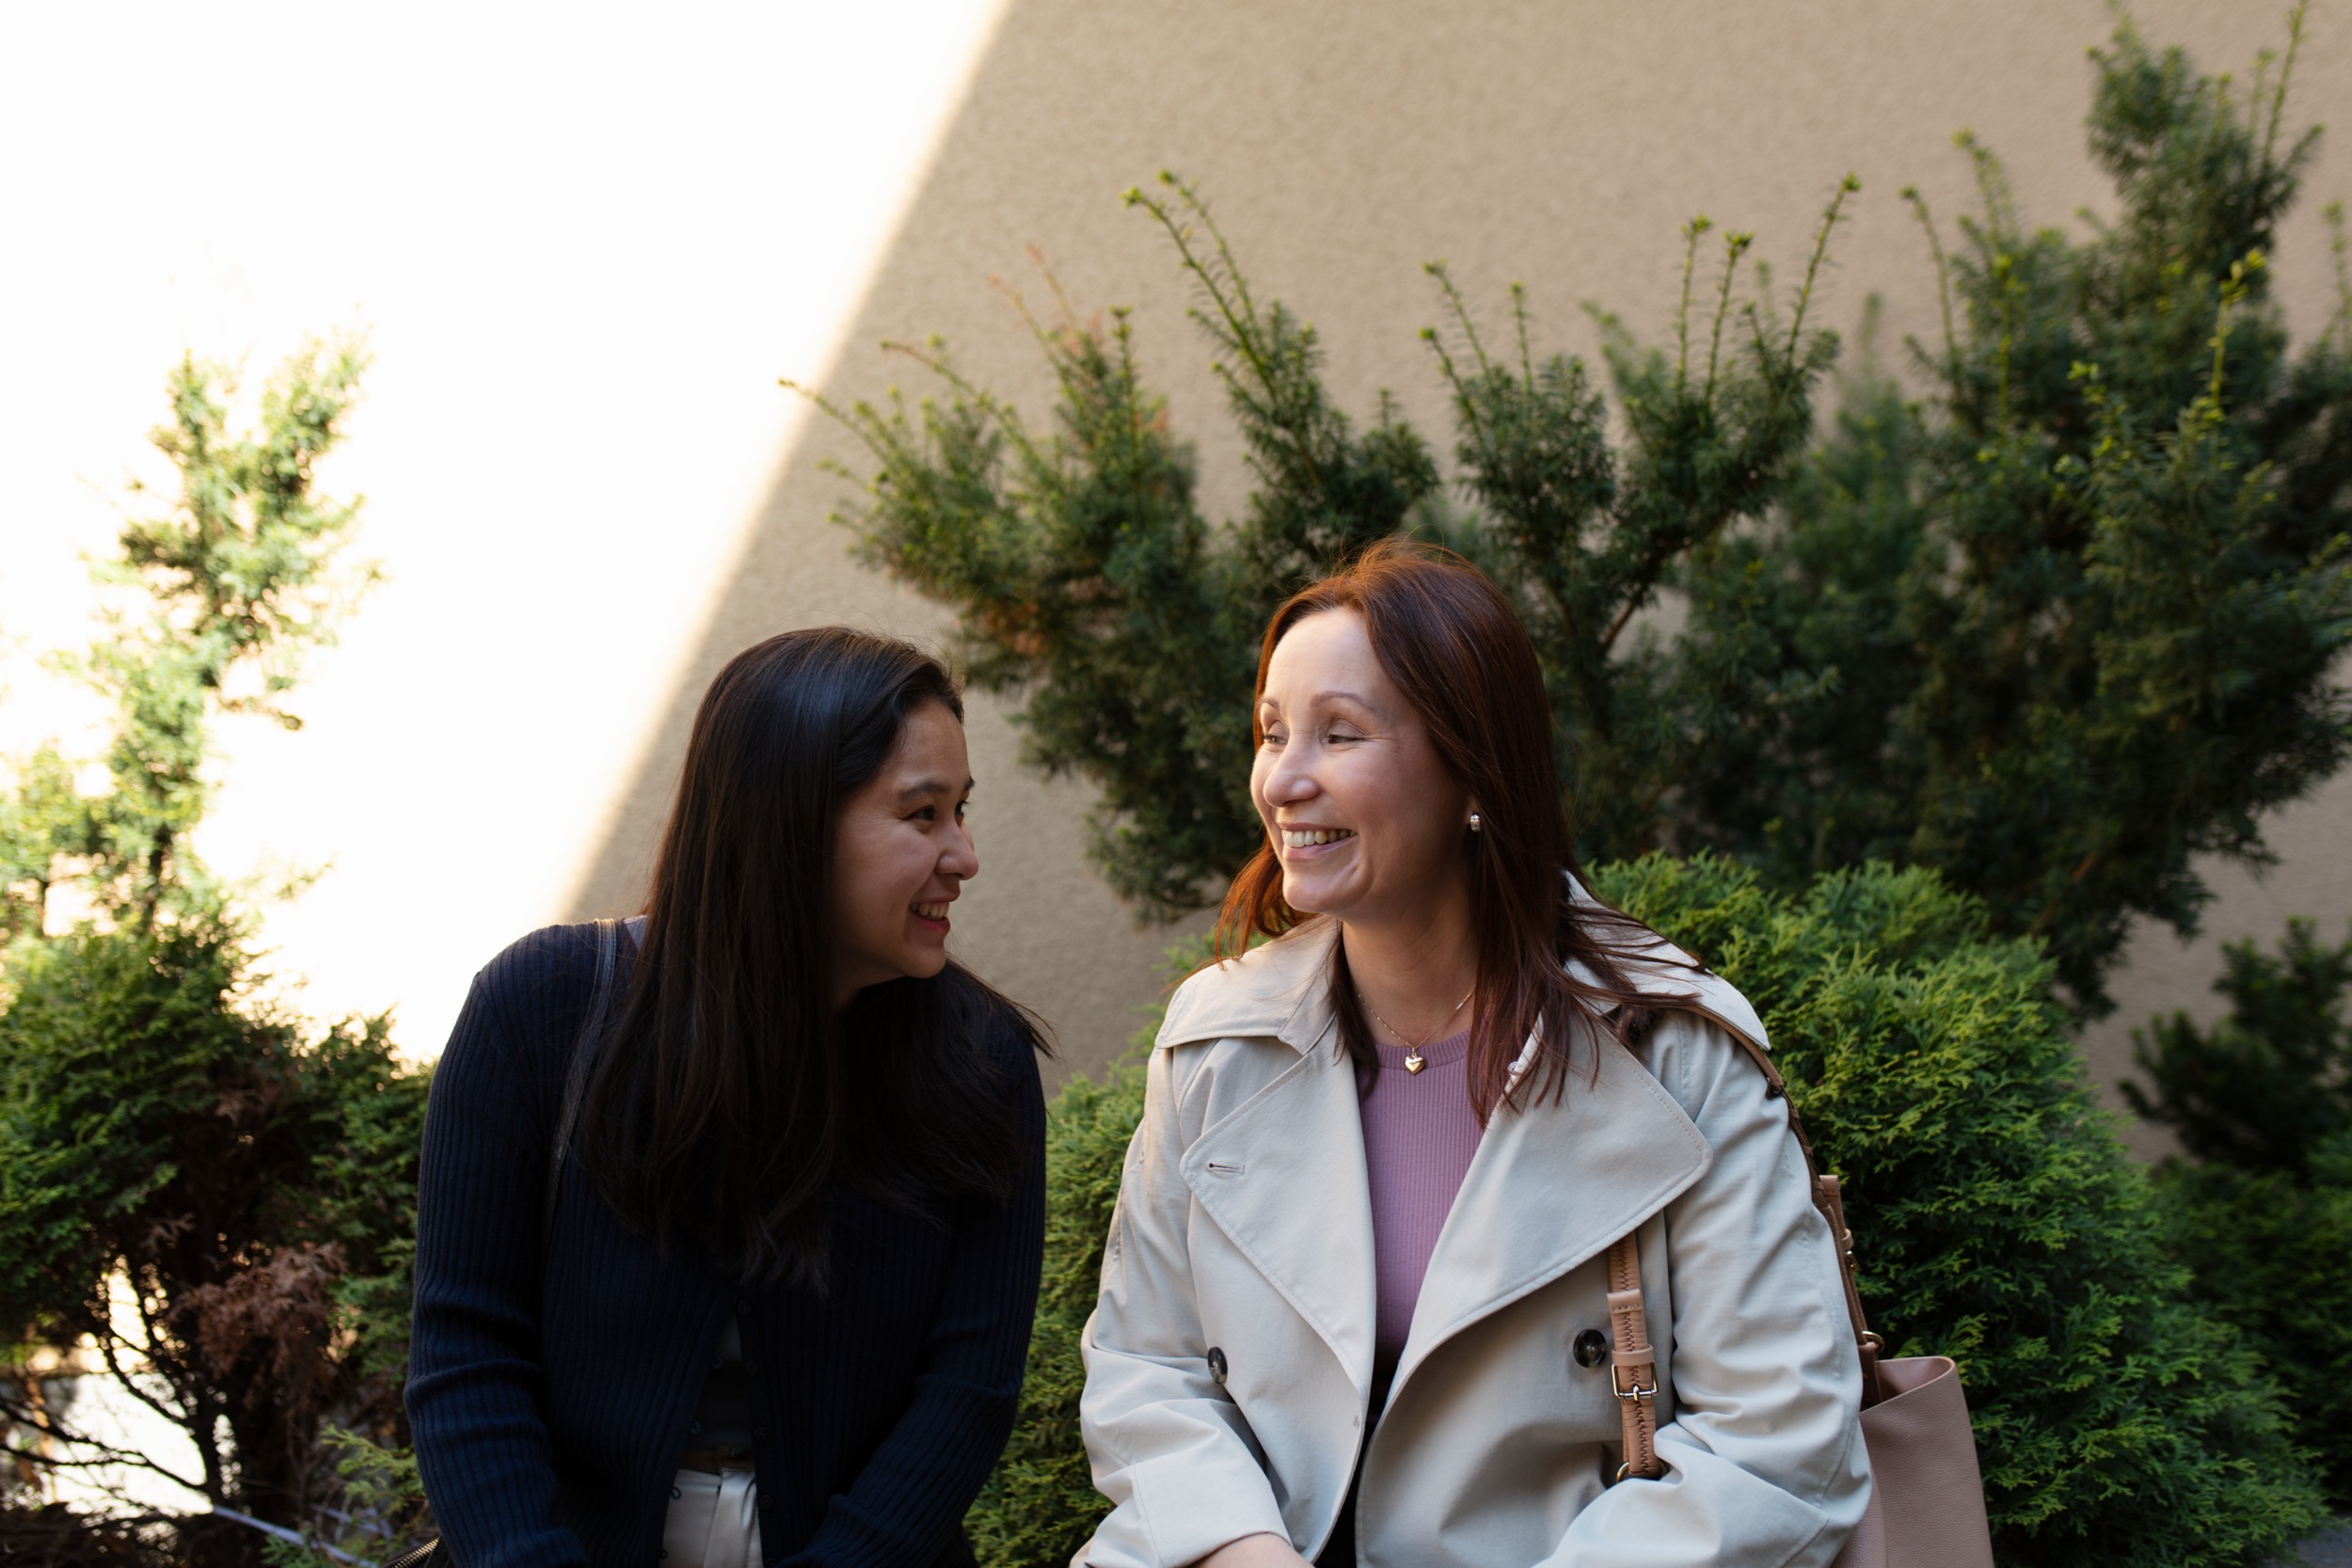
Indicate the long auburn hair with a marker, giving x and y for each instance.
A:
(729, 1104)
(1459, 652)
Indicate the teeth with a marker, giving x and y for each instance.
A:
(931, 911)
(1295, 838)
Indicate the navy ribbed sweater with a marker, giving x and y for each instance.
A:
(550, 1402)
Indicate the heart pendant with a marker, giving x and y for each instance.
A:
(1415, 1062)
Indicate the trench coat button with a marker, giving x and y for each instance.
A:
(743, 1307)
(750, 1369)
(759, 1434)
(1216, 1364)
(693, 1426)
(1591, 1348)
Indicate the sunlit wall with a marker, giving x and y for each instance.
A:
(585, 243)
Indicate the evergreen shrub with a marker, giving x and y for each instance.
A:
(1040, 1505)
(2261, 1210)
(2271, 1252)
(245, 1183)
(1998, 1218)
(207, 1202)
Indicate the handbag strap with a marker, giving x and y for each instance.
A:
(583, 1055)
(1632, 1365)
(1633, 1371)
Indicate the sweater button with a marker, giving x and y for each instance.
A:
(693, 1426)
(750, 1369)
(743, 1307)
(1590, 1348)
(759, 1434)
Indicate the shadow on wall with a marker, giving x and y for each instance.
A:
(1343, 146)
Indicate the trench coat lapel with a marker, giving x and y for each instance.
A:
(1282, 1174)
(1283, 1178)
(1552, 1185)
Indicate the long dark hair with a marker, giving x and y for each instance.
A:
(1460, 654)
(729, 1103)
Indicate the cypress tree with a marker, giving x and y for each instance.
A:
(205, 1200)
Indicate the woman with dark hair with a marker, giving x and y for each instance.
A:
(768, 1298)
(1461, 1230)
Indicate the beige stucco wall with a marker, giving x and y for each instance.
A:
(1342, 144)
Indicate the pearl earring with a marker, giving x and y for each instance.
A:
(1476, 825)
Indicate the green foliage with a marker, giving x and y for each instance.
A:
(2070, 623)
(2271, 1252)
(1039, 1504)
(2271, 1082)
(238, 584)
(1586, 537)
(378, 1512)
(2053, 630)
(165, 1136)
(1082, 569)
(2261, 1212)
(203, 1197)
(2000, 1220)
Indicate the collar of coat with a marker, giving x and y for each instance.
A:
(1554, 1183)
(1282, 988)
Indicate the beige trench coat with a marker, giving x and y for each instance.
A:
(1245, 1224)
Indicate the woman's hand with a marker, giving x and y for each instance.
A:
(1254, 1551)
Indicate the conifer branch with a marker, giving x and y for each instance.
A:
(2341, 325)
(1519, 319)
(2279, 97)
(1942, 273)
(1846, 187)
(2233, 290)
(1735, 246)
(1461, 310)
(1690, 233)
(1992, 188)
(1239, 313)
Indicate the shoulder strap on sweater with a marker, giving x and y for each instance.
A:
(583, 1058)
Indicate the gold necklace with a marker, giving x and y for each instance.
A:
(1414, 1060)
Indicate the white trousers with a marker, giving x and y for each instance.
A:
(713, 1521)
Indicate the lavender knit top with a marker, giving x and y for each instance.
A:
(1419, 1134)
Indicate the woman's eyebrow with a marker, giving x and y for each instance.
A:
(922, 787)
(1339, 694)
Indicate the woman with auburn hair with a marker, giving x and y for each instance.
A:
(772, 1301)
(1461, 1230)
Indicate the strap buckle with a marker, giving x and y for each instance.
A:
(1635, 1395)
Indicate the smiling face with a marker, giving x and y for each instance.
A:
(901, 854)
(1367, 821)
